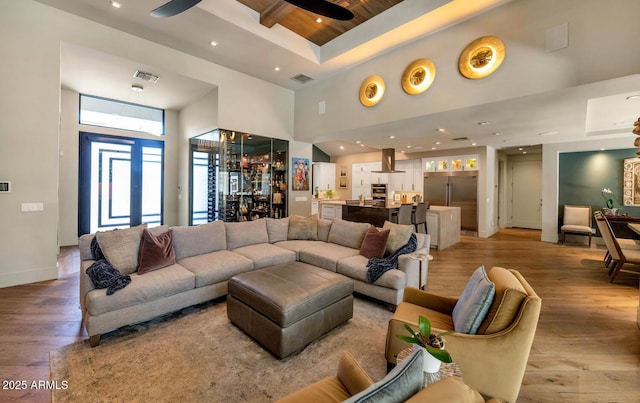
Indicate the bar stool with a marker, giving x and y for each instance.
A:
(404, 214)
(420, 216)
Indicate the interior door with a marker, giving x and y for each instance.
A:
(526, 210)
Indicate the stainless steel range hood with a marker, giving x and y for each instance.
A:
(388, 162)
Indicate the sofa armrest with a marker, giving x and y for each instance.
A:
(425, 299)
(86, 285)
(351, 374)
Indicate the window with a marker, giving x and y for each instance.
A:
(121, 115)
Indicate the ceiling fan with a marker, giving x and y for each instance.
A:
(325, 8)
(173, 7)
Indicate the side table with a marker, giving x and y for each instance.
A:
(446, 369)
(421, 257)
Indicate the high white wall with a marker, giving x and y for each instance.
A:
(602, 39)
(30, 99)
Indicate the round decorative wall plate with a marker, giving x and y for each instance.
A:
(482, 57)
(371, 90)
(418, 76)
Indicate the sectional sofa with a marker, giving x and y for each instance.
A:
(208, 255)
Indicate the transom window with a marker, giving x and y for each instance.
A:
(104, 112)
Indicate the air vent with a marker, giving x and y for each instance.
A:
(301, 78)
(5, 187)
(461, 139)
(146, 76)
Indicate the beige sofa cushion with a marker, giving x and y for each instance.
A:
(143, 288)
(246, 233)
(121, 246)
(196, 240)
(277, 229)
(324, 226)
(326, 255)
(509, 296)
(265, 255)
(347, 233)
(216, 267)
(303, 228)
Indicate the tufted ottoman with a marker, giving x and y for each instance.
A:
(288, 306)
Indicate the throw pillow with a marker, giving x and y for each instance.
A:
(303, 228)
(474, 303)
(156, 251)
(374, 243)
(398, 236)
(120, 247)
(509, 296)
(404, 381)
(277, 228)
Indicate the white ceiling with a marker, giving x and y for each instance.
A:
(600, 109)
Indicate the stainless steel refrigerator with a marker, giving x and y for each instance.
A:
(455, 189)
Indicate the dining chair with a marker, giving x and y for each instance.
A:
(618, 256)
(404, 214)
(601, 222)
(576, 220)
(420, 216)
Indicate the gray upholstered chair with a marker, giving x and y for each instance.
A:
(576, 220)
(404, 213)
(420, 216)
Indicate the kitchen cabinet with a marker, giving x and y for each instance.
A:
(362, 176)
(315, 207)
(451, 163)
(411, 180)
(324, 175)
(331, 211)
(443, 224)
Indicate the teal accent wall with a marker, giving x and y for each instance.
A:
(319, 156)
(583, 175)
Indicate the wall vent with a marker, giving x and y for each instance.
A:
(461, 139)
(301, 78)
(146, 76)
(5, 187)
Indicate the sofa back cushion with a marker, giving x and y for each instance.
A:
(277, 228)
(474, 303)
(199, 239)
(303, 228)
(347, 233)
(324, 226)
(120, 247)
(506, 304)
(246, 233)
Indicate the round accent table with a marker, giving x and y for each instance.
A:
(446, 370)
(421, 257)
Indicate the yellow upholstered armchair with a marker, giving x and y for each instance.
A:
(493, 361)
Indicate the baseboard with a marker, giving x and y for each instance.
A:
(28, 276)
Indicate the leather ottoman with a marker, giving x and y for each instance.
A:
(286, 307)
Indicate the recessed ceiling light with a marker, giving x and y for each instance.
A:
(630, 97)
(392, 137)
(402, 151)
(474, 144)
(437, 142)
(442, 130)
(319, 20)
(520, 149)
(433, 148)
(137, 88)
(357, 141)
(342, 147)
(497, 133)
(524, 152)
(408, 146)
(276, 68)
(483, 123)
(213, 43)
(361, 145)
(115, 4)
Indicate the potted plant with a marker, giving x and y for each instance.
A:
(433, 344)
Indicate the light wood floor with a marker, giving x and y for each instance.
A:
(586, 349)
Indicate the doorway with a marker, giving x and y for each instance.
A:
(120, 182)
(526, 200)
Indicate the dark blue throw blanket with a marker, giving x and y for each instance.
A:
(102, 274)
(378, 266)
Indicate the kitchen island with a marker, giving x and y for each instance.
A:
(443, 223)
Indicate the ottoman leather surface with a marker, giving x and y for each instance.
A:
(289, 292)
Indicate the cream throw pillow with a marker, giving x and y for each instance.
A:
(398, 236)
(121, 246)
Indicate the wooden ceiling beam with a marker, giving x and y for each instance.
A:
(274, 12)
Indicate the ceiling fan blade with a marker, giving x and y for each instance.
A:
(173, 7)
(324, 8)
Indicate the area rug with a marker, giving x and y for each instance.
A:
(197, 355)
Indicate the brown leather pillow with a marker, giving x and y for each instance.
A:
(374, 243)
(156, 251)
